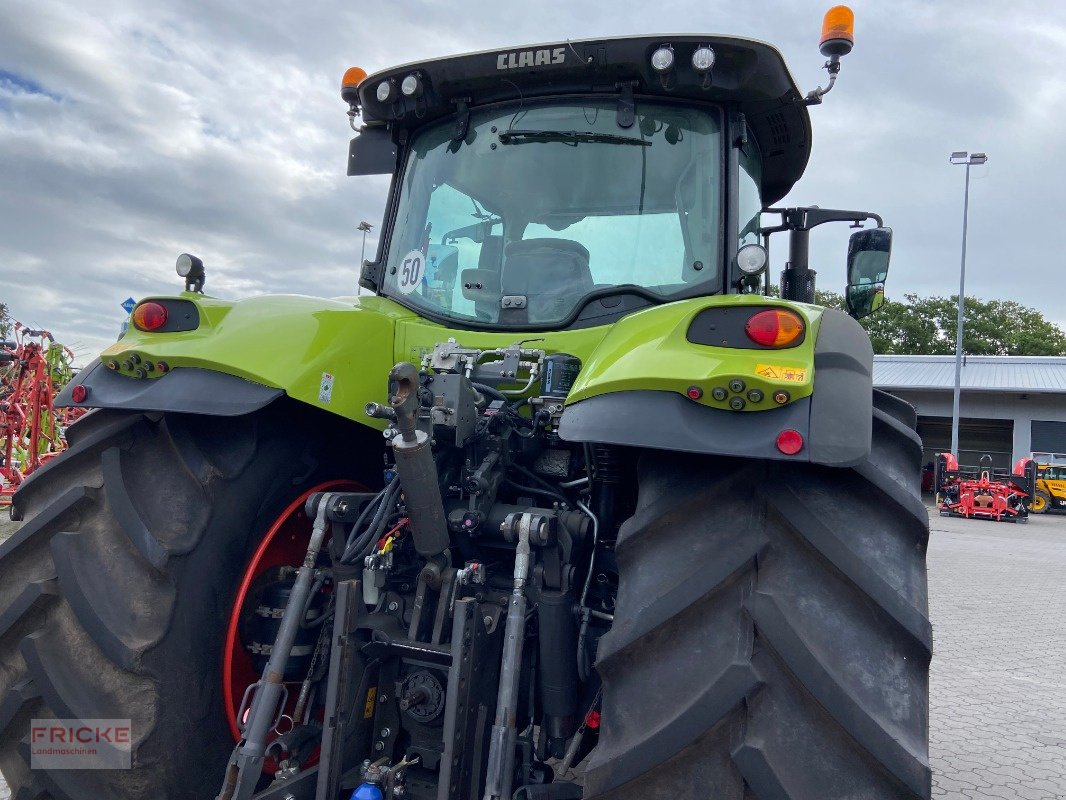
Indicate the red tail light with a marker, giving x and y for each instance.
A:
(149, 316)
(789, 442)
(776, 327)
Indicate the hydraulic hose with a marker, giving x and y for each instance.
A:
(376, 526)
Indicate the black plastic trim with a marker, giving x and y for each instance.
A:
(668, 421)
(841, 424)
(186, 389)
(724, 326)
(182, 315)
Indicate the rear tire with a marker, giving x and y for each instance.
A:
(771, 635)
(115, 592)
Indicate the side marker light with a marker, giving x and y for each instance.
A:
(79, 393)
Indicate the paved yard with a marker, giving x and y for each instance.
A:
(998, 597)
(998, 690)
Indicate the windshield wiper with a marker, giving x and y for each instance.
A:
(572, 138)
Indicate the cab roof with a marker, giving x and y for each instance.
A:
(748, 75)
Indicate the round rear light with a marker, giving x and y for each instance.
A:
(149, 316)
(79, 393)
(775, 327)
(694, 393)
(789, 442)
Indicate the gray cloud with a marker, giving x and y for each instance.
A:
(130, 132)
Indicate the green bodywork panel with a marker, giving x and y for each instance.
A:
(649, 350)
(293, 343)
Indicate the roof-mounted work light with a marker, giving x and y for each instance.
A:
(662, 60)
(386, 91)
(702, 63)
(411, 86)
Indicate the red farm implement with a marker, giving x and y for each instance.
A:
(33, 368)
(983, 492)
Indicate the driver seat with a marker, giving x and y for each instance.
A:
(552, 274)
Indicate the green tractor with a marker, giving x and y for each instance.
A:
(566, 504)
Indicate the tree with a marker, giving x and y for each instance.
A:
(5, 322)
(926, 326)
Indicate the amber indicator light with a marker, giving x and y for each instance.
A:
(775, 327)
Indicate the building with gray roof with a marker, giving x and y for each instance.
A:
(1011, 406)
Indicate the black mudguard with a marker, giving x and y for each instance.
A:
(187, 389)
(836, 422)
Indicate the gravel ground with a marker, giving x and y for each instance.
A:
(998, 683)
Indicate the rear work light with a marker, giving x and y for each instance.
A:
(775, 327)
(149, 316)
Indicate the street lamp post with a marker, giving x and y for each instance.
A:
(967, 159)
(365, 227)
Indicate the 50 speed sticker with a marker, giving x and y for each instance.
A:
(410, 272)
(776, 372)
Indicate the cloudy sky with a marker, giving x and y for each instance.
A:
(133, 131)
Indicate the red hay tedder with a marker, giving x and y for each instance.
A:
(983, 492)
(33, 368)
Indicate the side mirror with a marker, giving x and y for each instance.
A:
(869, 251)
(372, 152)
(864, 300)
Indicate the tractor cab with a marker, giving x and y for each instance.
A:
(567, 185)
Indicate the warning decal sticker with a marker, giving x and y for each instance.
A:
(325, 388)
(774, 372)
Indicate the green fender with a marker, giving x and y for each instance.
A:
(331, 354)
(648, 385)
(643, 382)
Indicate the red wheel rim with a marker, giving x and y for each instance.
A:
(285, 542)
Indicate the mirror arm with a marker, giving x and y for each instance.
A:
(796, 219)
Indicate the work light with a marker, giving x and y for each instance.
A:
(703, 59)
(662, 60)
(751, 259)
(385, 91)
(411, 86)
